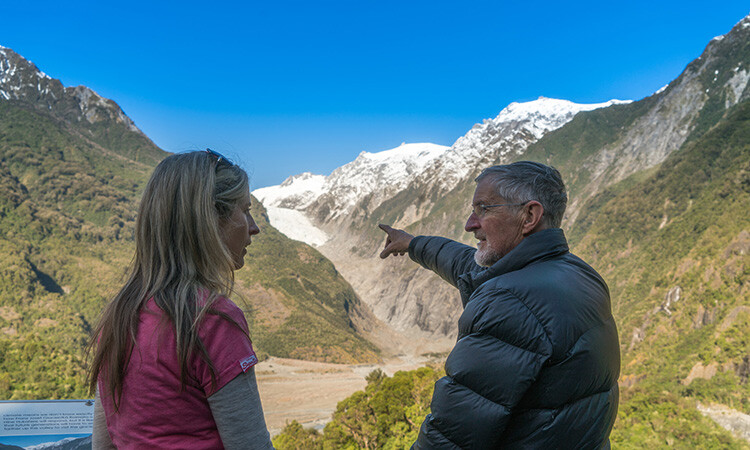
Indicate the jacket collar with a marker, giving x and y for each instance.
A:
(539, 246)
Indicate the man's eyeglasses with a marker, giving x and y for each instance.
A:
(481, 209)
(219, 157)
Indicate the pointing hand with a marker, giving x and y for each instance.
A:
(397, 242)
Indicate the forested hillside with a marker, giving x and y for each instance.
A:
(66, 217)
(72, 166)
(297, 304)
(675, 249)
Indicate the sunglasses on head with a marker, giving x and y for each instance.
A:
(219, 157)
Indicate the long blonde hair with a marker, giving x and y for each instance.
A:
(180, 260)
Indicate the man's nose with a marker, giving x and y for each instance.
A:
(472, 223)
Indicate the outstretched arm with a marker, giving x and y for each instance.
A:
(447, 258)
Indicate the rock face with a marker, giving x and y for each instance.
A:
(21, 80)
(731, 420)
(685, 109)
(672, 297)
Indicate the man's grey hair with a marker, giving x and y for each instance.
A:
(523, 181)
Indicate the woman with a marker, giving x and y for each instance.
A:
(173, 361)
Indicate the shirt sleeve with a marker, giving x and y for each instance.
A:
(225, 337)
(238, 413)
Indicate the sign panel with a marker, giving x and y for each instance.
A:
(46, 424)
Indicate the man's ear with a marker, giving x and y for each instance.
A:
(533, 212)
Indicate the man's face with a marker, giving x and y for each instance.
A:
(499, 230)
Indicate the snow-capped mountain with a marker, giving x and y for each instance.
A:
(285, 202)
(71, 443)
(507, 135)
(370, 173)
(296, 192)
(372, 178)
(21, 80)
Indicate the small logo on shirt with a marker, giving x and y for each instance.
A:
(248, 362)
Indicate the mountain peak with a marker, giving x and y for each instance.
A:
(300, 177)
(21, 80)
(296, 192)
(405, 151)
(551, 108)
(509, 134)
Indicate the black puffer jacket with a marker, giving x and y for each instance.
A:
(537, 358)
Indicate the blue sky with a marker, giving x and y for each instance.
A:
(287, 87)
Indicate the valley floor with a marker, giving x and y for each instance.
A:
(308, 391)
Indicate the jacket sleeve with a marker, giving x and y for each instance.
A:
(487, 374)
(449, 259)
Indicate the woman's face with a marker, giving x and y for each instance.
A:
(237, 229)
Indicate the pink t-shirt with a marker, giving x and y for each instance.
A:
(153, 412)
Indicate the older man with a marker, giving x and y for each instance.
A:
(537, 358)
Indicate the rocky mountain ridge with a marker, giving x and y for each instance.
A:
(504, 137)
(21, 80)
(685, 109)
